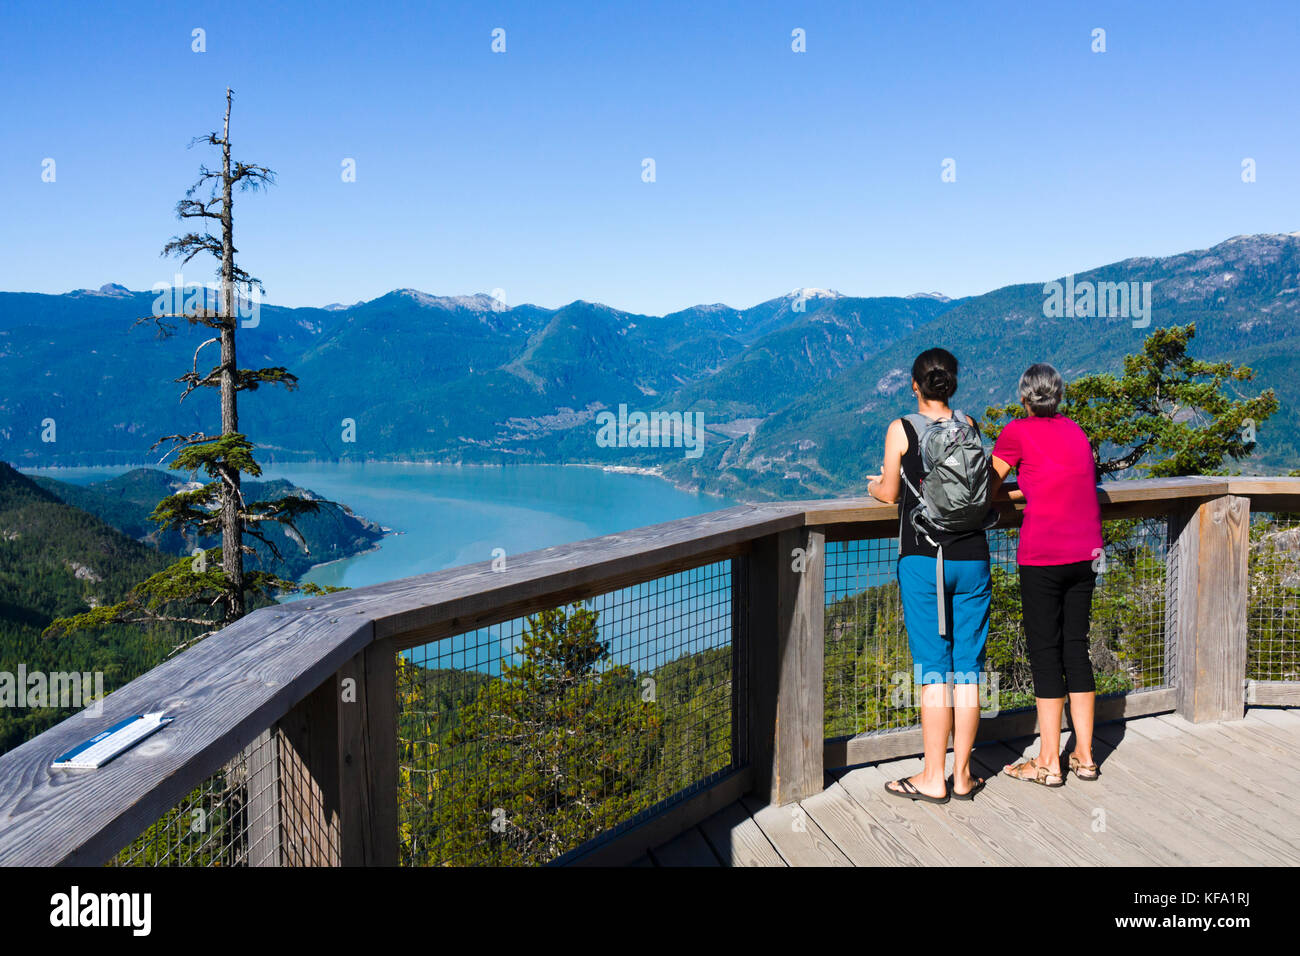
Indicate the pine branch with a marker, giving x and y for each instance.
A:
(192, 244)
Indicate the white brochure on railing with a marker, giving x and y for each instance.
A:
(102, 748)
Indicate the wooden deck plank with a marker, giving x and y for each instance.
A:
(1068, 828)
(1266, 730)
(995, 813)
(934, 838)
(1216, 805)
(860, 837)
(1173, 793)
(796, 836)
(1253, 749)
(1248, 751)
(1176, 842)
(1180, 832)
(1271, 784)
(1257, 736)
(1154, 729)
(1123, 841)
(738, 840)
(1282, 718)
(687, 849)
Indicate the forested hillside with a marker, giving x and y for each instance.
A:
(65, 548)
(125, 502)
(57, 560)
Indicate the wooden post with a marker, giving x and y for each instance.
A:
(368, 757)
(785, 647)
(1213, 546)
(337, 753)
(308, 747)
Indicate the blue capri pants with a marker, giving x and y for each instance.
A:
(958, 657)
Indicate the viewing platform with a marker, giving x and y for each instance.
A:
(1171, 793)
(732, 688)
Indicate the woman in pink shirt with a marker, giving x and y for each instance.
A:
(1060, 542)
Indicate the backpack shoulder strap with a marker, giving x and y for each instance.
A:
(919, 424)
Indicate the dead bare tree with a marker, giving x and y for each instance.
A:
(190, 592)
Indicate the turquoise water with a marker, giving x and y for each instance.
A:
(448, 515)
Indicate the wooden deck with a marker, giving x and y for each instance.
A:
(1171, 793)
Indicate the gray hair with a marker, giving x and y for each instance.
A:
(1041, 389)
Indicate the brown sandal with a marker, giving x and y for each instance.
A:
(1084, 771)
(1042, 775)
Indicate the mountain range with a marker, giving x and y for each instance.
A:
(795, 393)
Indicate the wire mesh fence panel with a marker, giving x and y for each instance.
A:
(522, 741)
(1131, 607)
(868, 666)
(229, 819)
(1273, 603)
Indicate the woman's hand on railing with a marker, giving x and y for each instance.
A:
(874, 489)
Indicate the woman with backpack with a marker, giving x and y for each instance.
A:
(1060, 542)
(935, 468)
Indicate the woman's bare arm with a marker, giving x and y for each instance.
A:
(886, 485)
(1000, 471)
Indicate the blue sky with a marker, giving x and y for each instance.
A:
(522, 171)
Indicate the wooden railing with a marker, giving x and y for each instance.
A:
(303, 695)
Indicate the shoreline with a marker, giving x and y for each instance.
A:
(53, 471)
(652, 471)
(348, 557)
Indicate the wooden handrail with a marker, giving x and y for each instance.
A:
(228, 689)
(1111, 495)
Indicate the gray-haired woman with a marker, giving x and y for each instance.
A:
(1059, 542)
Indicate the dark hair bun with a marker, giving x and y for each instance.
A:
(935, 374)
(939, 383)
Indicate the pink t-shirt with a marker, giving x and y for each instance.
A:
(1054, 468)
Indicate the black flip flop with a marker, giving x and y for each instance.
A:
(909, 792)
(969, 794)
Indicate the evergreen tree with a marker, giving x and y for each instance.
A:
(212, 589)
(1166, 414)
(544, 757)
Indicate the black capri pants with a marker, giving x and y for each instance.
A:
(1056, 603)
